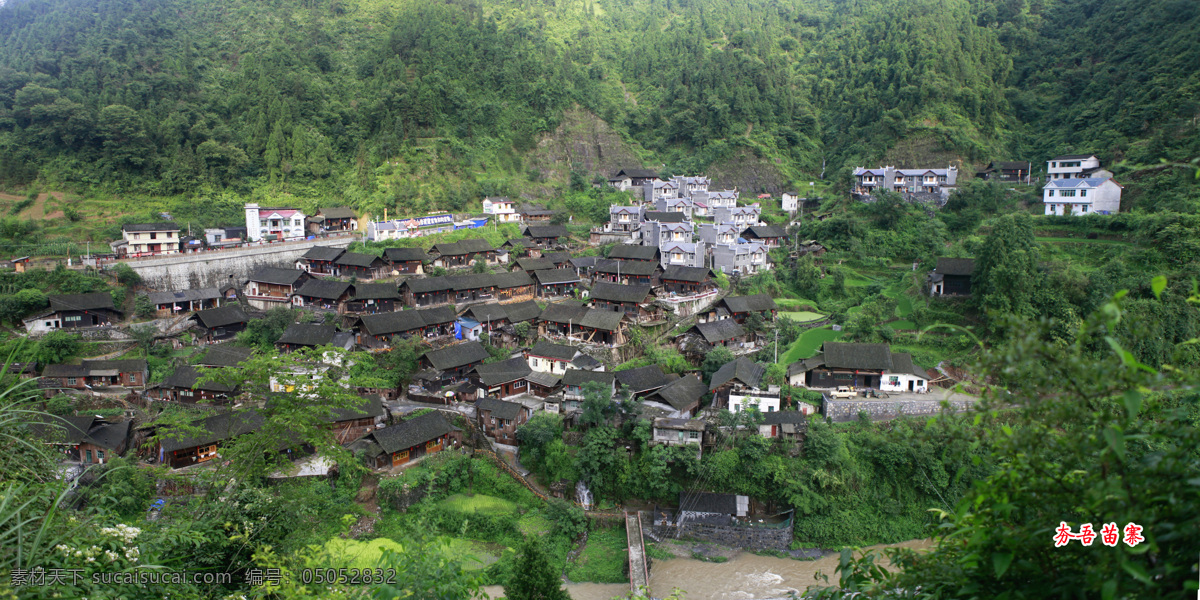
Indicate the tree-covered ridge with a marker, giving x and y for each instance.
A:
(368, 100)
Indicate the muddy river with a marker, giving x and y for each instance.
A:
(744, 577)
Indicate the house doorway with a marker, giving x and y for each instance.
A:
(911, 385)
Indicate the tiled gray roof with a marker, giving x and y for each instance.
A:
(902, 362)
(720, 331)
(307, 334)
(108, 435)
(140, 227)
(437, 315)
(628, 267)
(846, 355)
(743, 369)
(92, 301)
(692, 274)
(546, 349)
(337, 212)
(364, 408)
(766, 231)
(221, 316)
(745, 304)
(276, 275)
(548, 380)
(473, 282)
(216, 428)
(511, 280)
(405, 254)
(612, 292)
(631, 252)
(67, 429)
(705, 502)
(391, 322)
(502, 372)
(558, 258)
(586, 362)
(463, 247)
(422, 285)
(579, 377)
(534, 264)
(224, 356)
(186, 377)
(642, 379)
(955, 266)
(553, 276)
(500, 409)
(326, 253)
(682, 393)
(326, 290)
(522, 311)
(411, 433)
(663, 217)
(457, 355)
(806, 365)
(563, 312)
(358, 259)
(781, 417)
(375, 291)
(605, 320)
(546, 231)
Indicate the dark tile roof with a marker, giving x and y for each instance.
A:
(186, 377)
(631, 252)
(484, 313)
(782, 417)
(534, 264)
(584, 361)
(692, 274)
(473, 282)
(128, 365)
(92, 301)
(1005, 165)
(663, 217)
(706, 502)
(405, 254)
(766, 231)
(642, 379)
(108, 435)
(806, 365)
(553, 276)
(742, 369)
(307, 334)
(358, 259)
(612, 292)
(522, 311)
(563, 312)
(518, 243)
(745, 304)
(325, 253)
(637, 173)
(511, 280)
(846, 355)
(411, 433)
(457, 355)
(955, 266)
(546, 380)
(682, 393)
(558, 258)
(720, 331)
(337, 212)
(463, 247)
(368, 407)
(216, 428)
(224, 356)
(391, 322)
(546, 231)
(503, 372)
(579, 377)
(605, 320)
(276, 275)
(229, 314)
(902, 362)
(423, 285)
(547, 349)
(375, 291)
(500, 409)
(132, 227)
(326, 290)
(157, 298)
(437, 315)
(68, 429)
(627, 267)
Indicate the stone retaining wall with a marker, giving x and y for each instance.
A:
(847, 410)
(734, 536)
(217, 268)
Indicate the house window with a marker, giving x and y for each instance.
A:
(262, 223)
(535, 362)
(133, 378)
(693, 435)
(1068, 193)
(100, 455)
(1049, 193)
(1084, 208)
(137, 236)
(70, 381)
(519, 384)
(154, 236)
(89, 456)
(1083, 193)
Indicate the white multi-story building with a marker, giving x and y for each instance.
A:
(282, 223)
(1082, 196)
(790, 202)
(149, 238)
(1075, 166)
(501, 208)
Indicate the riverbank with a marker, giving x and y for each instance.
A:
(741, 576)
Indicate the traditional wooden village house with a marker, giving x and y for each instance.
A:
(561, 319)
(850, 364)
(219, 324)
(504, 379)
(784, 424)
(23, 370)
(269, 287)
(405, 442)
(491, 316)
(529, 265)
(632, 252)
(668, 431)
(454, 362)
(168, 304)
(148, 239)
(603, 327)
(548, 357)
(378, 330)
(426, 291)
(499, 419)
(406, 261)
(128, 373)
(473, 288)
(741, 307)
(725, 333)
(333, 219)
(904, 376)
(373, 298)
(682, 395)
(185, 385)
(687, 281)
(312, 335)
(202, 443)
(463, 253)
(542, 385)
(560, 260)
(574, 380)
(220, 357)
(516, 286)
(546, 236)
(637, 177)
(351, 423)
(319, 260)
(635, 301)
(641, 381)
(556, 283)
(627, 272)
(521, 248)
(87, 440)
(18, 264)
(951, 277)
(1007, 171)
(361, 266)
(769, 235)
(74, 311)
(740, 383)
(323, 294)
(533, 213)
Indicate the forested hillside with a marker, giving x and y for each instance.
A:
(409, 105)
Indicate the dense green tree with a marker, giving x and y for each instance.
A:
(533, 577)
(1006, 269)
(713, 361)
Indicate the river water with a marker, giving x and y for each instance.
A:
(744, 577)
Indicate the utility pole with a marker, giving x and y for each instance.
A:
(777, 345)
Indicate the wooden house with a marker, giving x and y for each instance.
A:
(641, 381)
(603, 327)
(725, 333)
(203, 442)
(1011, 172)
(406, 261)
(19, 263)
(521, 248)
(850, 364)
(784, 424)
(574, 380)
(627, 272)
(185, 385)
(351, 423)
(311, 335)
(561, 319)
(360, 266)
(741, 307)
(740, 375)
(531, 213)
(373, 298)
(637, 253)
(74, 311)
(405, 442)
(88, 440)
(637, 177)
(560, 260)
(168, 304)
(682, 395)
(337, 218)
(463, 253)
(770, 235)
(426, 291)
(378, 330)
(517, 286)
(547, 236)
(500, 419)
(219, 357)
(951, 277)
(504, 379)
(269, 287)
(319, 260)
(219, 324)
(529, 265)
(667, 431)
(556, 283)
(454, 362)
(687, 281)
(323, 294)
(89, 374)
(474, 288)
(542, 385)
(635, 301)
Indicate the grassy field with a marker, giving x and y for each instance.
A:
(808, 344)
(604, 558)
(802, 316)
(368, 554)
(796, 303)
(902, 325)
(479, 503)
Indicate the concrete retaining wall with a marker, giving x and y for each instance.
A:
(748, 538)
(221, 267)
(847, 410)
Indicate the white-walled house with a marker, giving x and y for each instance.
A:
(283, 223)
(790, 202)
(904, 376)
(765, 401)
(500, 207)
(1075, 166)
(1082, 196)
